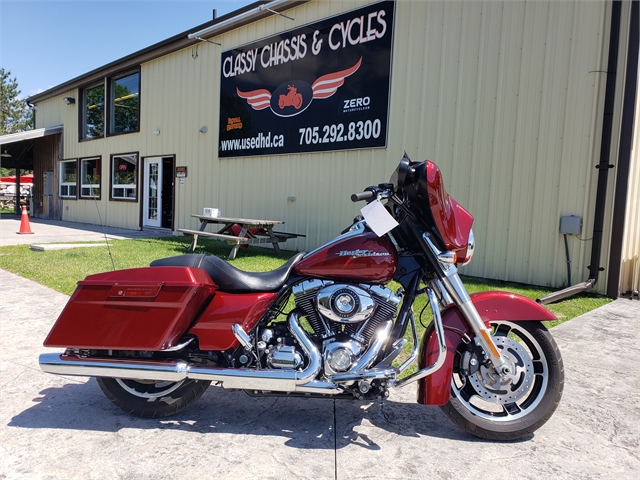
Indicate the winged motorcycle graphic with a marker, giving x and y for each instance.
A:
(297, 95)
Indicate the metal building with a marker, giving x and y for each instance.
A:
(527, 107)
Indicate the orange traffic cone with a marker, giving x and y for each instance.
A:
(24, 222)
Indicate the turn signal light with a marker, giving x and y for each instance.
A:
(448, 257)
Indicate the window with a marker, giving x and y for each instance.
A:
(124, 104)
(121, 94)
(90, 177)
(68, 178)
(124, 177)
(93, 112)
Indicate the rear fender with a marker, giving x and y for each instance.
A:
(435, 389)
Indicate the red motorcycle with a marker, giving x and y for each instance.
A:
(291, 99)
(325, 324)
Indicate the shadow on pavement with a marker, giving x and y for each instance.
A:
(306, 422)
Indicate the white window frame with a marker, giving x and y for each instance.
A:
(68, 185)
(89, 186)
(126, 187)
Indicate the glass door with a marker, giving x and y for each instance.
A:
(152, 215)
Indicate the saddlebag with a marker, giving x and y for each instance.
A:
(135, 309)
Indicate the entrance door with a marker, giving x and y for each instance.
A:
(158, 192)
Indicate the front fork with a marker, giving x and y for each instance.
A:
(452, 290)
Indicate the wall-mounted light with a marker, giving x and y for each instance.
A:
(203, 129)
(156, 132)
(69, 100)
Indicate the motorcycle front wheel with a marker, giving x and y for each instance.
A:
(496, 408)
(151, 399)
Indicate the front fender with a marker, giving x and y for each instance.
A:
(435, 389)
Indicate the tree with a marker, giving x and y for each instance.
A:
(15, 115)
(125, 109)
(94, 99)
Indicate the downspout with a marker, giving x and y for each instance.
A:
(603, 167)
(624, 155)
(33, 109)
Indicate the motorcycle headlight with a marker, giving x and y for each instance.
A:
(470, 248)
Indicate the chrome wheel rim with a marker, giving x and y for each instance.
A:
(148, 388)
(485, 394)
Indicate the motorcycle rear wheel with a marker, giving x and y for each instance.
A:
(150, 399)
(495, 408)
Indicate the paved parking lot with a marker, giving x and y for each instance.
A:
(64, 427)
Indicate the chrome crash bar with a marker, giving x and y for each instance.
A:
(442, 345)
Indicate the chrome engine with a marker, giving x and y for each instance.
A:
(344, 319)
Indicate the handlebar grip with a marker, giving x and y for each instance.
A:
(358, 197)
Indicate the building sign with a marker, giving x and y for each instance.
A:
(317, 88)
(181, 172)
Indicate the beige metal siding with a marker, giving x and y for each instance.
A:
(500, 96)
(506, 97)
(120, 214)
(630, 267)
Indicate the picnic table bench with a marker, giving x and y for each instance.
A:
(252, 231)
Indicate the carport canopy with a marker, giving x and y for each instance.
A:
(17, 148)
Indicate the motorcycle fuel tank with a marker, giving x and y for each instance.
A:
(364, 258)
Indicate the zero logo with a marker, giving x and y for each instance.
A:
(356, 103)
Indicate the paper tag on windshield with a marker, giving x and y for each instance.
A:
(378, 218)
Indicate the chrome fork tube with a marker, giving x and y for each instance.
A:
(444, 298)
(458, 293)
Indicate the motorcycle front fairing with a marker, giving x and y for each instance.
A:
(435, 389)
(447, 222)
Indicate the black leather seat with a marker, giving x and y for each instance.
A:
(229, 278)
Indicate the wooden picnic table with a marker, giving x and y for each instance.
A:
(252, 231)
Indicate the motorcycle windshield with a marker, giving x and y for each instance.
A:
(452, 220)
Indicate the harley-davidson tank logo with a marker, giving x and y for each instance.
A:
(295, 96)
(362, 253)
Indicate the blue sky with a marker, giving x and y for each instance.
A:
(45, 43)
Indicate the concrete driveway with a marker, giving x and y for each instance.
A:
(49, 231)
(64, 427)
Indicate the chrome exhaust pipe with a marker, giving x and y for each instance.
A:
(169, 371)
(177, 370)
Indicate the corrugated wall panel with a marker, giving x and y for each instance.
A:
(506, 97)
(630, 267)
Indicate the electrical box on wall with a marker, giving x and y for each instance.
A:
(571, 225)
(47, 181)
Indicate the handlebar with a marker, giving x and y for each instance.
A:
(358, 197)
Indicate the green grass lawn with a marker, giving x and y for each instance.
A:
(61, 269)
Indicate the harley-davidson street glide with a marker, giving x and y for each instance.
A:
(157, 337)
